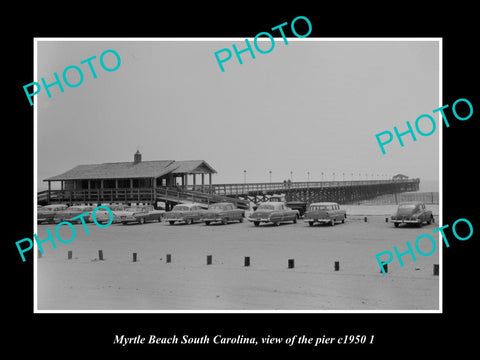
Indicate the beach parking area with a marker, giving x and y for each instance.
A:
(188, 283)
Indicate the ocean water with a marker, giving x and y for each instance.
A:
(429, 185)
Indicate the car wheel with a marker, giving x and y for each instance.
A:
(310, 223)
(189, 221)
(396, 224)
(171, 222)
(142, 220)
(343, 220)
(124, 222)
(224, 221)
(241, 219)
(332, 222)
(276, 223)
(295, 220)
(207, 222)
(256, 223)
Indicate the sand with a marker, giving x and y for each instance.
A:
(187, 283)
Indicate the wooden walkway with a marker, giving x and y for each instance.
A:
(240, 194)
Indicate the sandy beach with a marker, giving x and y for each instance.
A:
(187, 283)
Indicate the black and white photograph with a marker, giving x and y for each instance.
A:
(262, 187)
(229, 180)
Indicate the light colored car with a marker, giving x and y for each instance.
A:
(412, 213)
(47, 213)
(73, 211)
(273, 212)
(324, 212)
(185, 213)
(102, 216)
(223, 212)
(139, 214)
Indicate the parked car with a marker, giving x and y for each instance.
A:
(47, 213)
(71, 212)
(324, 212)
(223, 212)
(301, 206)
(103, 216)
(185, 213)
(273, 212)
(138, 214)
(412, 213)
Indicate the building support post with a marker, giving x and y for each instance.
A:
(154, 200)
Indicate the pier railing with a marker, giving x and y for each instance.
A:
(246, 188)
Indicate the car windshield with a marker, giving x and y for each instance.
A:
(407, 207)
(116, 207)
(266, 207)
(180, 208)
(218, 207)
(134, 209)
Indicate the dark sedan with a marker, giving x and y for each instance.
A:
(412, 213)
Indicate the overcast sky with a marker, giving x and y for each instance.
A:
(309, 106)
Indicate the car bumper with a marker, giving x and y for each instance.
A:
(182, 219)
(104, 219)
(127, 218)
(45, 219)
(406, 221)
(259, 219)
(317, 220)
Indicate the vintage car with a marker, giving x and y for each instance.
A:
(223, 212)
(412, 213)
(73, 211)
(273, 212)
(301, 206)
(185, 213)
(102, 216)
(47, 213)
(324, 212)
(138, 214)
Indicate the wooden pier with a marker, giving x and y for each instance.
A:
(241, 194)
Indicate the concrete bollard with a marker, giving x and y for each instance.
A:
(134, 257)
(247, 261)
(169, 258)
(365, 219)
(209, 259)
(100, 254)
(436, 269)
(337, 265)
(69, 255)
(291, 263)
